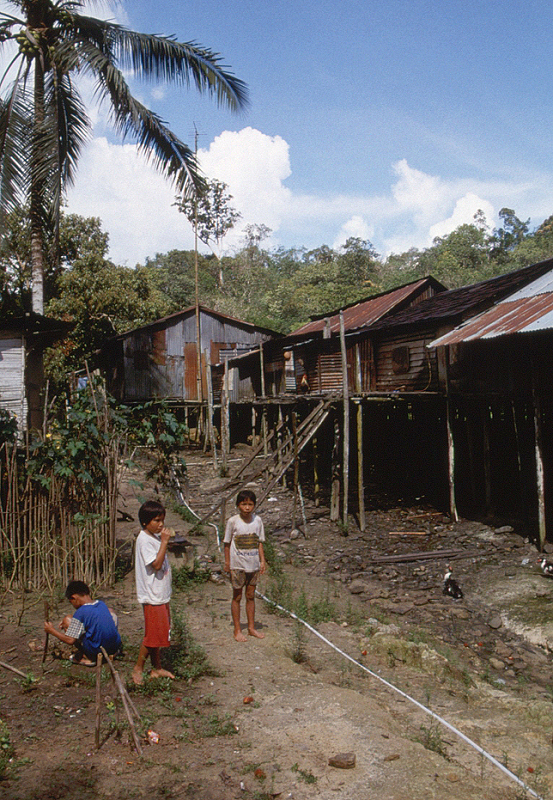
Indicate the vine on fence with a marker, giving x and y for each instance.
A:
(58, 492)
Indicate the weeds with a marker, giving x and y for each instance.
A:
(274, 562)
(298, 653)
(432, 739)
(185, 658)
(303, 775)
(185, 577)
(7, 750)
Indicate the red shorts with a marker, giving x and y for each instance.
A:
(157, 625)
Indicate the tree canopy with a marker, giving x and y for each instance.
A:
(43, 120)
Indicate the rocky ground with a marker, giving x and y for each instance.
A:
(266, 716)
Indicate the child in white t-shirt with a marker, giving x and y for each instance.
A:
(244, 560)
(153, 588)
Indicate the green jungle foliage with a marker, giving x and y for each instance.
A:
(277, 288)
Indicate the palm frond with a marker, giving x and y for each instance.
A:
(163, 58)
(169, 155)
(15, 132)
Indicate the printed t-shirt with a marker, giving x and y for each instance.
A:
(152, 586)
(244, 538)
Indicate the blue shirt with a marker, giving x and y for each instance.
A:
(99, 629)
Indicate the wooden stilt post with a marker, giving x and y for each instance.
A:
(279, 443)
(360, 451)
(210, 426)
(296, 468)
(316, 482)
(345, 398)
(335, 475)
(450, 446)
(538, 447)
(225, 432)
(485, 419)
(254, 420)
(360, 468)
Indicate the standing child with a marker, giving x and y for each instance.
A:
(244, 560)
(153, 588)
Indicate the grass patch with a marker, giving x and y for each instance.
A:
(303, 774)
(185, 658)
(431, 738)
(185, 577)
(7, 750)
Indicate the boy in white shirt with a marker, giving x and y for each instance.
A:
(244, 560)
(153, 588)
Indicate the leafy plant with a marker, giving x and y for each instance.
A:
(185, 658)
(8, 427)
(155, 426)
(6, 748)
(432, 739)
(303, 775)
(186, 576)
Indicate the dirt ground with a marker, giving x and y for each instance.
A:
(391, 637)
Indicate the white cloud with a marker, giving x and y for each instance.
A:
(135, 203)
(254, 166)
(356, 227)
(463, 213)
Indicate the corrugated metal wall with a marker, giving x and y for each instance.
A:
(12, 376)
(161, 360)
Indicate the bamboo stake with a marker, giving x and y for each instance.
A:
(46, 619)
(13, 669)
(98, 699)
(128, 705)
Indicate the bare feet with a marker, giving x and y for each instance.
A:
(137, 677)
(161, 673)
(257, 634)
(239, 636)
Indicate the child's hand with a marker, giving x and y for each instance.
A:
(226, 568)
(49, 628)
(165, 535)
(263, 567)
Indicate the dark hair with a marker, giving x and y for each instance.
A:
(246, 494)
(76, 587)
(149, 510)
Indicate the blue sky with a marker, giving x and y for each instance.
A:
(393, 121)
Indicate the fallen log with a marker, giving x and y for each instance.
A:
(428, 555)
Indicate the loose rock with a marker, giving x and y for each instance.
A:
(342, 761)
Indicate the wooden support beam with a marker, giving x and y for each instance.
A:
(450, 446)
(345, 401)
(360, 469)
(538, 449)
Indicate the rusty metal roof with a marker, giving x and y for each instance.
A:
(528, 310)
(365, 312)
(190, 310)
(456, 303)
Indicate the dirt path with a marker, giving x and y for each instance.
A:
(478, 663)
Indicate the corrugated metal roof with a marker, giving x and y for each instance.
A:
(191, 309)
(528, 310)
(458, 302)
(367, 311)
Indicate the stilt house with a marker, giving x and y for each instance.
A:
(163, 360)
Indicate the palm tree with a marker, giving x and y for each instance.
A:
(43, 121)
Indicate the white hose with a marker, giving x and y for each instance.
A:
(426, 710)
